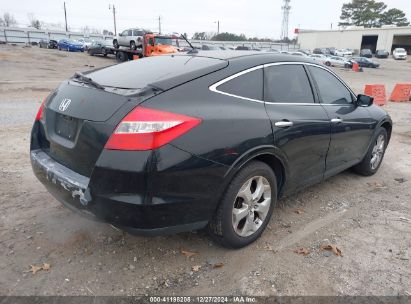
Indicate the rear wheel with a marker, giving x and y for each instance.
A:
(115, 44)
(246, 206)
(121, 56)
(375, 154)
(328, 63)
(103, 52)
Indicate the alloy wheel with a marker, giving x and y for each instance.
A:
(377, 152)
(251, 206)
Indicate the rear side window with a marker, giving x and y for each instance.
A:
(287, 83)
(332, 91)
(249, 85)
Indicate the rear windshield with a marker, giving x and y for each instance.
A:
(137, 74)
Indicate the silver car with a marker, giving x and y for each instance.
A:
(132, 38)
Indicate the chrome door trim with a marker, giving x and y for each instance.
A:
(214, 87)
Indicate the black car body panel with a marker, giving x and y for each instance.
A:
(178, 186)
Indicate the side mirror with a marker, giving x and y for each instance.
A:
(364, 100)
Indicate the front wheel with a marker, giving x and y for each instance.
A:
(375, 154)
(246, 206)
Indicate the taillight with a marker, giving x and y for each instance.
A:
(148, 129)
(40, 111)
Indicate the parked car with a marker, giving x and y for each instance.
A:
(132, 38)
(100, 47)
(343, 53)
(306, 51)
(332, 50)
(318, 58)
(48, 43)
(321, 51)
(339, 62)
(85, 42)
(209, 47)
(399, 54)
(242, 48)
(298, 54)
(147, 160)
(367, 53)
(70, 45)
(382, 54)
(365, 62)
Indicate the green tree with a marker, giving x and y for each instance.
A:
(370, 13)
(365, 13)
(200, 36)
(394, 16)
(229, 37)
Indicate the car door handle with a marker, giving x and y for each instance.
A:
(284, 124)
(336, 120)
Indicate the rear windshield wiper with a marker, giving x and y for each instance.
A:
(83, 78)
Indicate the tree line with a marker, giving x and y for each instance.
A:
(371, 13)
(367, 13)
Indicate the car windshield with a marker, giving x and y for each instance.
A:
(400, 50)
(163, 41)
(366, 51)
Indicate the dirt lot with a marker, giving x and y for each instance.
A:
(369, 219)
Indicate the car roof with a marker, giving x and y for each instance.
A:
(249, 58)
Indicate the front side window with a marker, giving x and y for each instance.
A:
(287, 84)
(124, 33)
(331, 89)
(249, 85)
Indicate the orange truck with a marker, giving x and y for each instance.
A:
(153, 45)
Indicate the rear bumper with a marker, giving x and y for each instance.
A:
(158, 212)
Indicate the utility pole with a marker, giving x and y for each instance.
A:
(65, 15)
(159, 24)
(218, 26)
(114, 17)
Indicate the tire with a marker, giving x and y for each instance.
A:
(328, 64)
(121, 57)
(375, 154)
(115, 44)
(231, 232)
(133, 46)
(103, 52)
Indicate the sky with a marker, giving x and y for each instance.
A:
(254, 18)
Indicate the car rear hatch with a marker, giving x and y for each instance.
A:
(79, 117)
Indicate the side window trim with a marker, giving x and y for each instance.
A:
(313, 84)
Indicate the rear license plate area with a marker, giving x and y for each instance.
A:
(66, 126)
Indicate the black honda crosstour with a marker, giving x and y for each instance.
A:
(183, 142)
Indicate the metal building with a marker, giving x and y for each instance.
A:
(385, 38)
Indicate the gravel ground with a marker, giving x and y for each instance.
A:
(368, 219)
